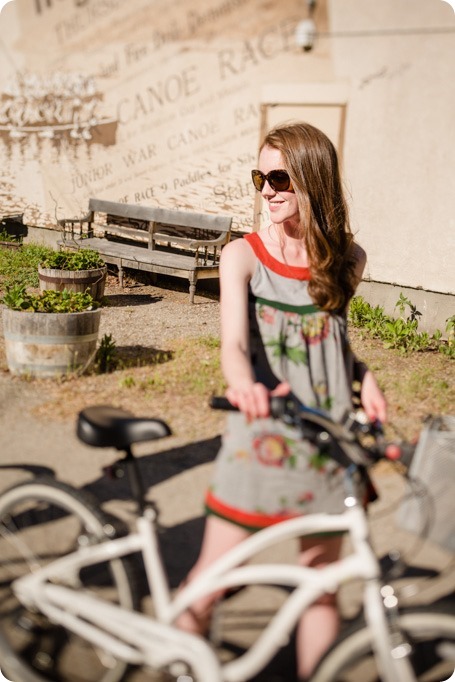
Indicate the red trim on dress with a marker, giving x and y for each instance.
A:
(244, 518)
(291, 271)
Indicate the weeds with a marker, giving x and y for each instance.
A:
(127, 382)
(21, 266)
(7, 237)
(106, 356)
(401, 333)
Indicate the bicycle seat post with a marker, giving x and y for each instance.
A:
(134, 479)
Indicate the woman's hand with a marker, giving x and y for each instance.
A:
(372, 398)
(253, 399)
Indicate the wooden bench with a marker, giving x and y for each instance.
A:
(157, 240)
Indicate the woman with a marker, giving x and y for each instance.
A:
(284, 295)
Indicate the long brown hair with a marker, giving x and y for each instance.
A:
(312, 163)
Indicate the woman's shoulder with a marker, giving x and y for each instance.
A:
(239, 254)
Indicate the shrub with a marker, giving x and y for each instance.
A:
(20, 267)
(83, 259)
(17, 298)
(400, 333)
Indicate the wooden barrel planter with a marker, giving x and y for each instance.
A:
(74, 280)
(50, 344)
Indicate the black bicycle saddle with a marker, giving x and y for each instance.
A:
(104, 426)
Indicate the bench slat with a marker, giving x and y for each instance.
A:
(168, 216)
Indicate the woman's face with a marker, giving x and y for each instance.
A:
(282, 206)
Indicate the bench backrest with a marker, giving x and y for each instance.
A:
(151, 223)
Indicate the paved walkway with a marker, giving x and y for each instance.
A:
(179, 477)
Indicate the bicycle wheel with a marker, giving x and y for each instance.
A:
(40, 521)
(429, 629)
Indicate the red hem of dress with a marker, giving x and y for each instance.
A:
(290, 271)
(241, 517)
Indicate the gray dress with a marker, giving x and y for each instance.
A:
(263, 473)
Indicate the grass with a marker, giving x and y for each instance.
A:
(177, 388)
(415, 384)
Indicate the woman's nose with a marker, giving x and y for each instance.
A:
(267, 190)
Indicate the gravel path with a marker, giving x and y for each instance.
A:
(149, 315)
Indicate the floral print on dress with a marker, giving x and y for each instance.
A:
(281, 349)
(272, 450)
(305, 498)
(315, 328)
(266, 313)
(319, 462)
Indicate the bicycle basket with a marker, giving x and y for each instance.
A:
(433, 465)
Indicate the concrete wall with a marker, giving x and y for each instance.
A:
(399, 56)
(171, 94)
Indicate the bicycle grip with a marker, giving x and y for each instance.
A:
(219, 402)
(397, 452)
(278, 405)
(407, 452)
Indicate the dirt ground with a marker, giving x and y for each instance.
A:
(146, 322)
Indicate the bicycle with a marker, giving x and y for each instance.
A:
(69, 611)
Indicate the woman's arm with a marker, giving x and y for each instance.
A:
(371, 396)
(237, 266)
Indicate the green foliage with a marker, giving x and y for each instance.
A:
(127, 382)
(5, 236)
(106, 355)
(400, 333)
(83, 259)
(21, 266)
(362, 314)
(449, 348)
(17, 298)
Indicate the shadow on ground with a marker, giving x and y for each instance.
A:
(180, 543)
(125, 300)
(140, 356)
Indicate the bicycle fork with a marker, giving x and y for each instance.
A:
(390, 646)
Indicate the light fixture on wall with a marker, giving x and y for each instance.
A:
(305, 30)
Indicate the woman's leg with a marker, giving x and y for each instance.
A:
(319, 624)
(219, 537)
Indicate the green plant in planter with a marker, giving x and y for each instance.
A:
(83, 259)
(7, 237)
(17, 298)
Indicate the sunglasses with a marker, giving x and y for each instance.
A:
(278, 180)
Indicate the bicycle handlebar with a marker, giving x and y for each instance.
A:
(341, 441)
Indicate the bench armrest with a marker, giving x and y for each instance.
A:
(223, 239)
(191, 243)
(72, 221)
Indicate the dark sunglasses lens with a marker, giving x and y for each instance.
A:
(258, 179)
(279, 180)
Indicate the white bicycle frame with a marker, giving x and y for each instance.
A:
(153, 641)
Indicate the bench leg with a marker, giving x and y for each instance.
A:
(192, 280)
(120, 275)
